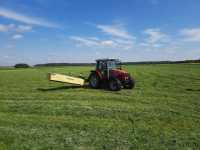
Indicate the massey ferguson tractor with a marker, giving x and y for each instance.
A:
(109, 72)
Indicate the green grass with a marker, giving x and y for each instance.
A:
(162, 112)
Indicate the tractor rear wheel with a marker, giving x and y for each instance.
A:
(94, 81)
(114, 84)
(130, 84)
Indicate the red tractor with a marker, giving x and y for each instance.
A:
(109, 72)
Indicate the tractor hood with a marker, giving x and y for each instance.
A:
(118, 72)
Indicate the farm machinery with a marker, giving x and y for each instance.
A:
(108, 73)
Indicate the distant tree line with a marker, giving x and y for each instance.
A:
(163, 62)
(63, 64)
(124, 63)
(22, 65)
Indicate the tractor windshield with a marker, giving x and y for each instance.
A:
(114, 64)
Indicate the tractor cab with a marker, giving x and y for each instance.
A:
(109, 72)
(104, 66)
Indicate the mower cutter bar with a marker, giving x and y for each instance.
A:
(65, 79)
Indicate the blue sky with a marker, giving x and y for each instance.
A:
(42, 31)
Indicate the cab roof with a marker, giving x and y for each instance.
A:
(106, 59)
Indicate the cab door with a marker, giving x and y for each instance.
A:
(102, 68)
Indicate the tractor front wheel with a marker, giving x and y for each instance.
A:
(114, 84)
(130, 84)
(94, 81)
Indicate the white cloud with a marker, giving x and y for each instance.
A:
(155, 37)
(118, 38)
(25, 19)
(93, 41)
(5, 28)
(17, 36)
(23, 28)
(115, 31)
(85, 41)
(108, 43)
(191, 35)
(124, 43)
(15, 28)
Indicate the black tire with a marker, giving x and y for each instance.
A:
(94, 81)
(130, 84)
(114, 84)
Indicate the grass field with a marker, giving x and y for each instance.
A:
(162, 112)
